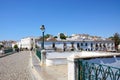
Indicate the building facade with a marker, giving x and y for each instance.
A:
(86, 45)
(26, 43)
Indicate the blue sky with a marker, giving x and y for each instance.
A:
(22, 18)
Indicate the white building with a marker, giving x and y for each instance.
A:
(27, 43)
(80, 37)
(7, 43)
(80, 42)
(86, 45)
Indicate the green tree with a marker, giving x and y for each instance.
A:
(15, 46)
(116, 39)
(47, 35)
(1, 46)
(55, 37)
(62, 36)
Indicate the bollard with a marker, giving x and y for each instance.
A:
(43, 57)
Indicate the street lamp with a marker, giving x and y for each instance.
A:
(43, 30)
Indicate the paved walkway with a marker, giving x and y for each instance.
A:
(58, 72)
(26, 66)
(15, 66)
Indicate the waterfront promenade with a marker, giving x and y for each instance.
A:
(15, 66)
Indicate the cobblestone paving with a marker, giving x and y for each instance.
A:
(15, 67)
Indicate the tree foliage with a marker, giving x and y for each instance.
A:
(116, 39)
(47, 35)
(15, 46)
(1, 46)
(62, 36)
(55, 37)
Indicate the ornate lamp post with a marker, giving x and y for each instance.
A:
(43, 30)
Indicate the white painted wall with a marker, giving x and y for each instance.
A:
(56, 58)
(26, 43)
(59, 44)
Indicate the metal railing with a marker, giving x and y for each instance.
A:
(8, 50)
(93, 71)
(38, 53)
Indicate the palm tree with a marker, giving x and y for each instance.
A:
(116, 39)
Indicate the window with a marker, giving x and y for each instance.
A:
(81, 44)
(91, 44)
(86, 44)
(78, 45)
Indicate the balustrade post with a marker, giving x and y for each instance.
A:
(43, 57)
(73, 67)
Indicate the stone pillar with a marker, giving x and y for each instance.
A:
(72, 67)
(43, 57)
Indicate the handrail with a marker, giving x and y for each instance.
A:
(95, 71)
(38, 53)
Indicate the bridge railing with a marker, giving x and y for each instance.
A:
(79, 68)
(94, 71)
(8, 50)
(38, 53)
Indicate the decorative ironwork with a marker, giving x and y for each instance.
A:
(38, 53)
(8, 50)
(94, 71)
